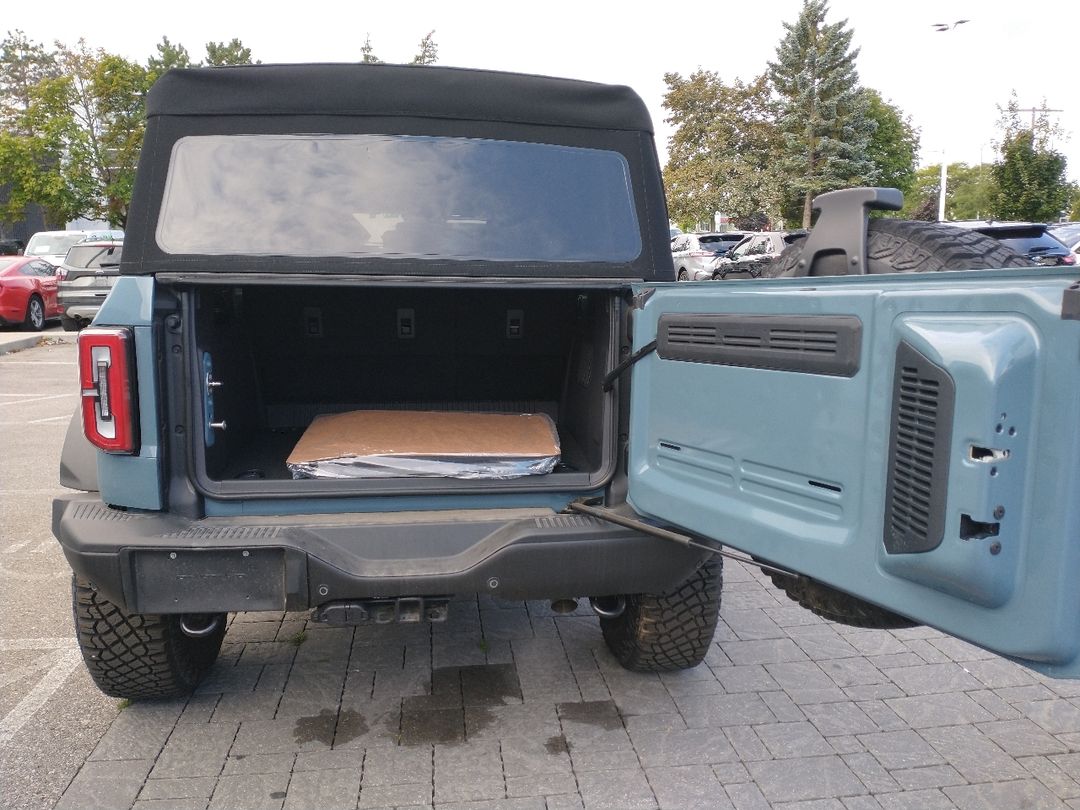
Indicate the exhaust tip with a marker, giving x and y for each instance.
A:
(608, 607)
(564, 606)
(199, 625)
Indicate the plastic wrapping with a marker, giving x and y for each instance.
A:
(443, 444)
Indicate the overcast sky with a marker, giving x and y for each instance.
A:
(948, 83)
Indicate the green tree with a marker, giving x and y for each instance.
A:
(894, 145)
(969, 193)
(724, 153)
(368, 52)
(429, 51)
(79, 138)
(231, 53)
(1030, 176)
(168, 56)
(823, 114)
(23, 64)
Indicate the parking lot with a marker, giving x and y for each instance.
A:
(506, 706)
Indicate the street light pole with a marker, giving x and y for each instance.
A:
(941, 28)
(941, 193)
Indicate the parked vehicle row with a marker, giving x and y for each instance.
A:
(750, 255)
(34, 289)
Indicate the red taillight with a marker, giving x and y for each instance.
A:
(107, 382)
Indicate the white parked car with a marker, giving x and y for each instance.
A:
(52, 246)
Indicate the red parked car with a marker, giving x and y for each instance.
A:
(27, 292)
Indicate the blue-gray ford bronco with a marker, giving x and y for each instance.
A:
(310, 241)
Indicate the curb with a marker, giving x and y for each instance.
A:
(16, 344)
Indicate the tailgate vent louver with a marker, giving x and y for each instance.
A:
(921, 434)
(812, 344)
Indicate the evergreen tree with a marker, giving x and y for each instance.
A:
(368, 52)
(823, 114)
(231, 53)
(168, 56)
(1030, 176)
(429, 51)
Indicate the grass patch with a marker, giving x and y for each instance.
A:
(122, 704)
(298, 638)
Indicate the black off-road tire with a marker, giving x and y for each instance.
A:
(893, 246)
(903, 246)
(837, 606)
(139, 655)
(668, 631)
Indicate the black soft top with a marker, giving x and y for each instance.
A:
(405, 100)
(397, 90)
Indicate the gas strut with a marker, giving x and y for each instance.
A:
(611, 516)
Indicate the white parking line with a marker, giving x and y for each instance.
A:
(38, 363)
(64, 643)
(14, 547)
(72, 395)
(46, 661)
(63, 417)
(37, 697)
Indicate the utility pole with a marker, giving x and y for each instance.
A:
(1043, 109)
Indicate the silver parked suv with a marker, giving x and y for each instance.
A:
(86, 277)
(694, 253)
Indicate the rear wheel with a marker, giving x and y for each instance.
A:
(683, 275)
(35, 314)
(672, 630)
(69, 324)
(141, 655)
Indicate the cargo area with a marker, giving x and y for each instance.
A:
(269, 359)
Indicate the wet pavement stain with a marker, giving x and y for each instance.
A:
(478, 718)
(316, 728)
(350, 725)
(431, 726)
(490, 685)
(278, 794)
(556, 745)
(601, 714)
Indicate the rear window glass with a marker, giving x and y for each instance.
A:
(93, 256)
(397, 196)
(1030, 240)
(721, 240)
(55, 244)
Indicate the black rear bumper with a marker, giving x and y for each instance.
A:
(152, 562)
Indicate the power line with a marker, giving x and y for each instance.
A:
(1043, 109)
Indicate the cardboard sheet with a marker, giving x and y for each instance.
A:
(380, 444)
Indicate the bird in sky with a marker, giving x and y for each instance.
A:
(947, 26)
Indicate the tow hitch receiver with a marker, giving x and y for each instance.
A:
(402, 610)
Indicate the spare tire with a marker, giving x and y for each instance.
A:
(903, 246)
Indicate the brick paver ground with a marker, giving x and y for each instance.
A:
(510, 707)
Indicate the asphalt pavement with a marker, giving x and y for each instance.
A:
(506, 706)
